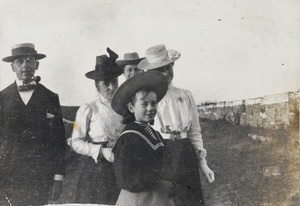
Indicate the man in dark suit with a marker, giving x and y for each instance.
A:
(32, 150)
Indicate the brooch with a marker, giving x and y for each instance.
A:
(180, 99)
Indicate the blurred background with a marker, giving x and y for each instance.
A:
(230, 49)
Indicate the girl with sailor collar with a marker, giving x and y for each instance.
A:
(139, 150)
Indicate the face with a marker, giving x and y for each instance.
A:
(144, 106)
(107, 88)
(167, 71)
(130, 71)
(25, 67)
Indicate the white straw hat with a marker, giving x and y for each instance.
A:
(158, 56)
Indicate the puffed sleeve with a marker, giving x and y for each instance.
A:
(78, 141)
(194, 133)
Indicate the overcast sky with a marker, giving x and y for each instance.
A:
(230, 50)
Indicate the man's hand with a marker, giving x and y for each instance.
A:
(55, 190)
(209, 174)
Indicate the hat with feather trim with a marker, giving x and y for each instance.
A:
(106, 67)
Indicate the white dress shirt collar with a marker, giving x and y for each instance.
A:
(25, 95)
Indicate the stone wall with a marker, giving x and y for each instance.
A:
(272, 111)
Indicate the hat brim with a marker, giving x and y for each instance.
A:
(94, 75)
(145, 65)
(128, 62)
(12, 58)
(153, 79)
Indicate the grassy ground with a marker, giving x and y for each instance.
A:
(240, 157)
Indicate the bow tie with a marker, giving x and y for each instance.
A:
(30, 85)
(26, 87)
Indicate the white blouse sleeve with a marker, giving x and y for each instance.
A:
(78, 142)
(194, 133)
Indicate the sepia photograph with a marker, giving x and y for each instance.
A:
(149, 103)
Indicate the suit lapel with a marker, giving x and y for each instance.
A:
(37, 95)
(34, 95)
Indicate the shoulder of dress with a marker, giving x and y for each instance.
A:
(137, 136)
(188, 92)
(177, 89)
(129, 137)
(98, 105)
(95, 103)
(181, 91)
(85, 108)
(131, 130)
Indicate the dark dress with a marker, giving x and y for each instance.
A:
(138, 163)
(32, 145)
(97, 183)
(181, 167)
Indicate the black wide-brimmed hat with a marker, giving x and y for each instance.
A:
(130, 58)
(152, 79)
(106, 67)
(24, 49)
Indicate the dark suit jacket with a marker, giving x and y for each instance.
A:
(32, 145)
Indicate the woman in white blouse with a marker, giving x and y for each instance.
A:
(178, 122)
(95, 132)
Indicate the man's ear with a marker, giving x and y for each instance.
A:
(37, 65)
(130, 107)
(12, 67)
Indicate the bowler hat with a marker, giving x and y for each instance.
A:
(24, 49)
(106, 67)
(158, 56)
(154, 80)
(130, 58)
